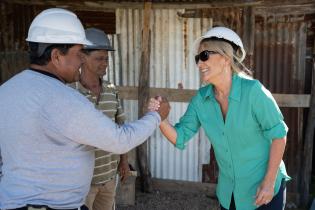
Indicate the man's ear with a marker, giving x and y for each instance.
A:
(55, 56)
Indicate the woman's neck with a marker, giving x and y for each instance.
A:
(223, 86)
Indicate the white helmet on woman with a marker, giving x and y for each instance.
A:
(57, 26)
(222, 33)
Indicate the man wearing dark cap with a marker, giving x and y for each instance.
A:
(105, 97)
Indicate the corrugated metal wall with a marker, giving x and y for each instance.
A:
(278, 53)
(171, 65)
(280, 56)
(278, 61)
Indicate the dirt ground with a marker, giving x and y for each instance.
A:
(159, 200)
(169, 195)
(177, 195)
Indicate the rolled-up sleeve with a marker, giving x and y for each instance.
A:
(267, 113)
(187, 126)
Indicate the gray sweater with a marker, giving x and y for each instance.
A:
(45, 130)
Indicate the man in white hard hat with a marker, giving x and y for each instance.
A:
(105, 98)
(46, 126)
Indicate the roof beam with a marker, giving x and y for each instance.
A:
(175, 4)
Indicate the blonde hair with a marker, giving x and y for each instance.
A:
(226, 49)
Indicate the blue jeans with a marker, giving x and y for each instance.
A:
(277, 202)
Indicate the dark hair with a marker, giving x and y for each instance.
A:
(36, 57)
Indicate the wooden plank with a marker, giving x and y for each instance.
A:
(184, 95)
(292, 100)
(103, 5)
(308, 146)
(143, 96)
(249, 35)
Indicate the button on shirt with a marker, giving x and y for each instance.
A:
(242, 142)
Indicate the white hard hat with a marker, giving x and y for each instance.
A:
(222, 33)
(57, 26)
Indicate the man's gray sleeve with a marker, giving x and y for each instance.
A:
(80, 122)
(103, 133)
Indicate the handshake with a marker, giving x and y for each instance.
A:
(161, 105)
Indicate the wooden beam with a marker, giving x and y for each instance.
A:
(143, 96)
(292, 100)
(308, 146)
(104, 5)
(184, 95)
(249, 35)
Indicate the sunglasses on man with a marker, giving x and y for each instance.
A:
(204, 55)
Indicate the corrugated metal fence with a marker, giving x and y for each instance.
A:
(280, 57)
(171, 65)
(278, 42)
(276, 45)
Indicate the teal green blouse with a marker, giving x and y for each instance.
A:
(242, 142)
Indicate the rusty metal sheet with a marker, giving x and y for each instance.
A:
(279, 63)
(171, 66)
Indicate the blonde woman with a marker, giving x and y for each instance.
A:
(242, 121)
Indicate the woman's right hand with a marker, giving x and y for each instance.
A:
(162, 106)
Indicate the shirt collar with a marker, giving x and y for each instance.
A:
(235, 93)
(87, 91)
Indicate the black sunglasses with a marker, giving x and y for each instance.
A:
(204, 55)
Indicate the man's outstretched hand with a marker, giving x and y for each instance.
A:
(161, 105)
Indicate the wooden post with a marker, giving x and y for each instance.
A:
(143, 96)
(308, 145)
(249, 35)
